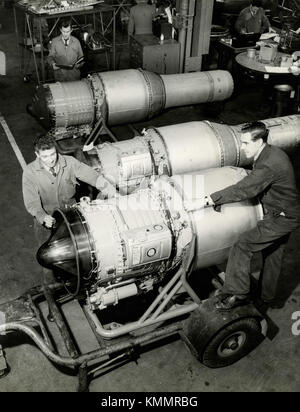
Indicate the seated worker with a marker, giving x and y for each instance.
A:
(253, 19)
(65, 50)
(295, 68)
(141, 17)
(273, 180)
(50, 182)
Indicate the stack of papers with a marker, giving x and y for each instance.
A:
(267, 36)
(273, 69)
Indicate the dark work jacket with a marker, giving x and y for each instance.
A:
(272, 180)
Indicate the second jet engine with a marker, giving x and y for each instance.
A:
(183, 148)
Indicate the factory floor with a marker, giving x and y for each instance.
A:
(272, 367)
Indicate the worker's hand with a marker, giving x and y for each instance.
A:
(55, 67)
(106, 188)
(243, 31)
(295, 69)
(296, 55)
(197, 204)
(192, 204)
(49, 221)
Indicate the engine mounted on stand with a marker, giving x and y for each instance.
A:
(124, 246)
(136, 253)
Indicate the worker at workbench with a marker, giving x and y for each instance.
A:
(253, 19)
(49, 182)
(272, 180)
(141, 17)
(295, 70)
(65, 54)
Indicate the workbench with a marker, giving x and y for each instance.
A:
(265, 69)
(94, 13)
(269, 75)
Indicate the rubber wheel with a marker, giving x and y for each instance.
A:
(232, 343)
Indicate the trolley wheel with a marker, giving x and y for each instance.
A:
(232, 343)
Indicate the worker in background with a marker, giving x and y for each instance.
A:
(272, 180)
(164, 8)
(49, 182)
(253, 19)
(65, 54)
(40, 26)
(141, 17)
(295, 70)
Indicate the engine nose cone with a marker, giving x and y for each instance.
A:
(58, 254)
(69, 247)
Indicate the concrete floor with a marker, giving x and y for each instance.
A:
(273, 366)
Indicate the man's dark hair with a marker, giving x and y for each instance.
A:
(65, 23)
(44, 142)
(163, 3)
(258, 130)
(256, 3)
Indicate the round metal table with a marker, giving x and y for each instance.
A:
(267, 69)
(274, 80)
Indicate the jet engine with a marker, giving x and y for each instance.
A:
(118, 248)
(183, 148)
(73, 108)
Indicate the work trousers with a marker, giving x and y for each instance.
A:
(42, 234)
(269, 237)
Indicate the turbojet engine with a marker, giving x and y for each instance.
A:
(129, 245)
(182, 148)
(124, 96)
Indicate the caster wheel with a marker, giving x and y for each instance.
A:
(232, 343)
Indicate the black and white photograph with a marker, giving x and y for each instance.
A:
(150, 199)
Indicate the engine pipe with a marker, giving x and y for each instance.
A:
(124, 96)
(183, 148)
(123, 246)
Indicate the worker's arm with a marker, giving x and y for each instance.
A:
(240, 26)
(266, 26)
(88, 175)
(79, 55)
(249, 187)
(32, 200)
(84, 172)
